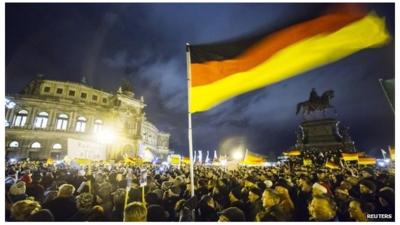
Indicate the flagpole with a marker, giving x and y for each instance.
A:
(189, 76)
(386, 94)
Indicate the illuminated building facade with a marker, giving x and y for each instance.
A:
(47, 116)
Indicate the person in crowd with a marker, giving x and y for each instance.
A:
(23, 209)
(97, 214)
(207, 209)
(84, 204)
(17, 192)
(73, 192)
(255, 204)
(322, 208)
(235, 198)
(35, 188)
(342, 199)
(386, 202)
(63, 207)
(135, 212)
(182, 212)
(43, 215)
(156, 213)
(303, 197)
(231, 214)
(358, 210)
(118, 200)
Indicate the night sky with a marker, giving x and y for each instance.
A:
(145, 43)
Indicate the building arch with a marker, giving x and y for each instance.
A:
(13, 144)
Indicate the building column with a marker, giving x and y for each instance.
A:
(30, 121)
(71, 121)
(89, 124)
(51, 125)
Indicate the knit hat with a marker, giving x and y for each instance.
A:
(369, 184)
(268, 183)
(18, 188)
(234, 214)
(320, 187)
(368, 170)
(256, 191)
(388, 195)
(85, 200)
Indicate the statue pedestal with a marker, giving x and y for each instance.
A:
(324, 135)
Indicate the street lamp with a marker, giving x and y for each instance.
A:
(237, 155)
(106, 136)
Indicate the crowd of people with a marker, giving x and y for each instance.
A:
(102, 191)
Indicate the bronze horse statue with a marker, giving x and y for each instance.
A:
(320, 104)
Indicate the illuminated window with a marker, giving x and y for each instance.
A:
(36, 145)
(41, 120)
(20, 119)
(62, 122)
(80, 124)
(98, 124)
(14, 144)
(57, 146)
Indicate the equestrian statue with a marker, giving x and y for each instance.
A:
(316, 103)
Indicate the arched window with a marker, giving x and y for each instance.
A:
(41, 120)
(36, 145)
(14, 144)
(62, 122)
(98, 124)
(80, 124)
(20, 119)
(57, 146)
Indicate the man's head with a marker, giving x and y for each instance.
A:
(235, 194)
(322, 208)
(270, 198)
(231, 214)
(367, 172)
(367, 187)
(358, 210)
(254, 194)
(21, 210)
(341, 194)
(66, 190)
(84, 201)
(319, 189)
(135, 212)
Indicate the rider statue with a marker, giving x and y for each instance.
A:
(313, 96)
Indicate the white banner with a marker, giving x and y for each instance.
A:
(86, 150)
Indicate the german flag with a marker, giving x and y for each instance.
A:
(294, 152)
(253, 158)
(223, 70)
(392, 153)
(350, 156)
(331, 165)
(367, 161)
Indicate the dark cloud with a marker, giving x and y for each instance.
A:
(145, 43)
